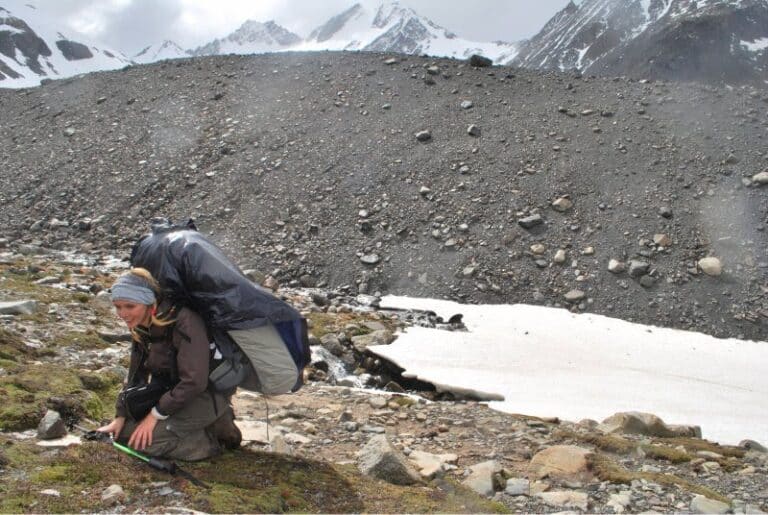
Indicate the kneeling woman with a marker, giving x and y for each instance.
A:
(166, 408)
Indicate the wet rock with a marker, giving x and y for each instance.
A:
(380, 337)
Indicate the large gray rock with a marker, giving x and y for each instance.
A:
(51, 426)
(565, 499)
(112, 495)
(380, 337)
(633, 422)
(701, 504)
(485, 478)
(431, 465)
(18, 307)
(380, 460)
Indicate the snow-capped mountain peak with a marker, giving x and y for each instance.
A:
(392, 27)
(158, 52)
(710, 40)
(33, 48)
(252, 37)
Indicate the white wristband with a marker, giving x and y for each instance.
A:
(157, 414)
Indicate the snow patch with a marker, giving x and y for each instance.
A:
(757, 45)
(550, 362)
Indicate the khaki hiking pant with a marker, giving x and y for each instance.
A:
(183, 435)
(276, 372)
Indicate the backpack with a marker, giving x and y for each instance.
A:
(193, 271)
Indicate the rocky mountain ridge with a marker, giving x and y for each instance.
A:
(427, 177)
(721, 41)
(33, 48)
(712, 41)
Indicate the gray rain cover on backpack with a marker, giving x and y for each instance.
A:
(194, 272)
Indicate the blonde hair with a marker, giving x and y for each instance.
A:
(165, 319)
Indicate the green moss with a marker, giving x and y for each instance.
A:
(26, 393)
(607, 470)
(82, 340)
(53, 474)
(403, 401)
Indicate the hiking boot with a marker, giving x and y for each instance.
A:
(226, 432)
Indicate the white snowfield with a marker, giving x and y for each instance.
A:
(552, 363)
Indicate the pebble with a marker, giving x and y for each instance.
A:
(711, 266)
(423, 136)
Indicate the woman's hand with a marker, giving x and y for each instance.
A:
(113, 428)
(142, 435)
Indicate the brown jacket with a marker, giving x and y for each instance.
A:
(178, 351)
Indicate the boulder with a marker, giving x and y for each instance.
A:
(647, 424)
(485, 478)
(431, 465)
(564, 462)
(479, 61)
(112, 495)
(380, 337)
(380, 460)
(517, 486)
(565, 499)
(18, 307)
(711, 266)
(701, 504)
(51, 426)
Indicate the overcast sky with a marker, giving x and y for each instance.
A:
(129, 25)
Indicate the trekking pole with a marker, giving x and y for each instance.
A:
(169, 467)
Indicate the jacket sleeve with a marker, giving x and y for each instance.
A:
(190, 338)
(120, 409)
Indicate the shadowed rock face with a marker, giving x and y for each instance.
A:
(672, 39)
(73, 51)
(24, 41)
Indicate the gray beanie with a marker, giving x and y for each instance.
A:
(133, 288)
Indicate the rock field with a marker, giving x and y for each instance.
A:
(413, 175)
(63, 356)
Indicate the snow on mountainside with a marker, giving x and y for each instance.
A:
(710, 40)
(252, 37)
(32, 48)
(394, 28)
(158, 52)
